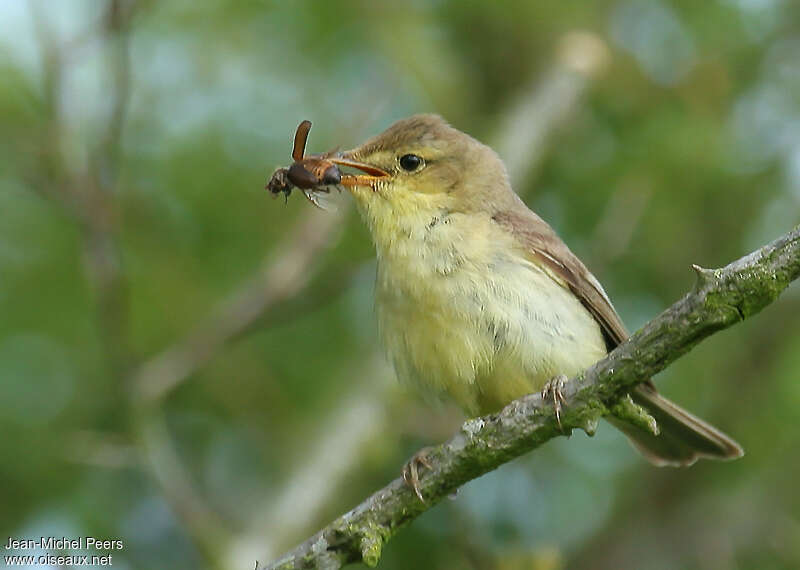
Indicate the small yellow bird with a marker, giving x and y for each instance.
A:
(477, 297)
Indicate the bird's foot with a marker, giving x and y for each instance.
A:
(411, 470)
(554, 389)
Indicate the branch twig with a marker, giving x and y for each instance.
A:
(283, 275)
(87, 193)
(325, 467)
(720, 298)
(531, 121)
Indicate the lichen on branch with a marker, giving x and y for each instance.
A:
(719, 299)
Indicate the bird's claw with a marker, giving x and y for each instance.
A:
(554, 389)
(411, 470)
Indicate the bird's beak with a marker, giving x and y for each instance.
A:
(372, 174)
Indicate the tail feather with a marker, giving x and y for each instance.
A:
(682, 439)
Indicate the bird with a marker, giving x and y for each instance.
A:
(478, 299)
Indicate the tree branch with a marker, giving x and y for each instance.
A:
(720, 298)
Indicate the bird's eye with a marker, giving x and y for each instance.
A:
(410, 162)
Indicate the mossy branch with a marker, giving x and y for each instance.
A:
(720, 298)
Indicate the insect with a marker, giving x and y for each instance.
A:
(311, 174)
(317, 173)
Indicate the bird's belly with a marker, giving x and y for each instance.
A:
(485, 335)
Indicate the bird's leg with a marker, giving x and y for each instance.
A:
(411, 470)
(554, 389)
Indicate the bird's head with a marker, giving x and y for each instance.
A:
(420, 166)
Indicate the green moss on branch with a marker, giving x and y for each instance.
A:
(720, 298)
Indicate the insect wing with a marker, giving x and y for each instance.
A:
(322, 198)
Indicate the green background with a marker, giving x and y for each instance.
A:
(136, 141)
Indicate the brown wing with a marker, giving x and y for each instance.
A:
(683, 437)
(542, 243)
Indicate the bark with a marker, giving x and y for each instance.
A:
(720, 298)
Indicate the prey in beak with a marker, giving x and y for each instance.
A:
(317, 173)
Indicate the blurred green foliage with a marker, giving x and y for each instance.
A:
(116, 244)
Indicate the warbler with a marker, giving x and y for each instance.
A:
(477, 298)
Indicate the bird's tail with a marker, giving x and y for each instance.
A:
(682, 438)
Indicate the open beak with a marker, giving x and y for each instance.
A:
(371, 174)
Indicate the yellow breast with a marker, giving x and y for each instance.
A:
(462, 311)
